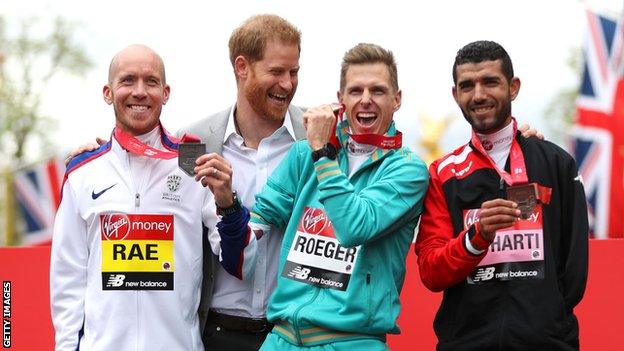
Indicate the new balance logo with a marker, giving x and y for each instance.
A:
(115, 281)
(95, 195)
(299, 273)
(484, 274)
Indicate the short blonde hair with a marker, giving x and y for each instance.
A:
(364, 53)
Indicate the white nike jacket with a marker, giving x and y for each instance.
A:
(126, 262)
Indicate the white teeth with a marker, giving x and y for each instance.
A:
(278, 96)
(366, 115)
(366, 118)
(138, 107)
(482, 109)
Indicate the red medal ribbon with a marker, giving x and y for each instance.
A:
(518, 173)
(381, 141)
(189, 138)
(137, 147)
(544, 193)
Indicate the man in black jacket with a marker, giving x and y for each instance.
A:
(504, 232)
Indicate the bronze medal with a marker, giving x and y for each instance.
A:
(526, 196)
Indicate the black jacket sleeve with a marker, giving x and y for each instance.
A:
(575, 236)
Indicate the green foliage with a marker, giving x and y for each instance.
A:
(27, 64)
(561, 111)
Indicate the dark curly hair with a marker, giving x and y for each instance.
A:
(483, 50)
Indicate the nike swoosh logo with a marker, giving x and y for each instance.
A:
(95, 195)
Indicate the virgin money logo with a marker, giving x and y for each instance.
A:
(487, 145)
(388, 144)
(115, 226)
(471, 217)
(314, 220)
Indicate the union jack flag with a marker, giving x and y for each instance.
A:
(38, 195)
(598, 133)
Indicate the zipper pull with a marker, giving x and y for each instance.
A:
(367, 278)
(137, 200)
(502, 184)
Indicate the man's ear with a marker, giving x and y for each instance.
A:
(107, 94)
(514, 87)
(397, 100)
(166, 92)
(454, 92)
(241, 67)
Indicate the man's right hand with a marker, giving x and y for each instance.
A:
(496, 214)
(319, 124)
(84, 148)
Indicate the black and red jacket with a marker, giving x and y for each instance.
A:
(504, 315)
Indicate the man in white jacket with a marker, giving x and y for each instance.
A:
(126, 262)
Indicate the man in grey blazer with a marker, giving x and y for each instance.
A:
(250, 139)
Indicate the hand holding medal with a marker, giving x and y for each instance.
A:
(496, 214)
(319, 119)
(320, 125)
(215, 172)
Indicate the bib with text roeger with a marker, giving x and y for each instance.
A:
(316, 257)
(137, 251)
(517, 252)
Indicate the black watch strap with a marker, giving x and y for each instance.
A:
(235, 207)
(328, 150)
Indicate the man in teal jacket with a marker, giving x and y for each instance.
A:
(349, 201)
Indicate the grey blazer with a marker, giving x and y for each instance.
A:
(211, 130)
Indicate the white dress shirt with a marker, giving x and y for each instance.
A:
(252, 168)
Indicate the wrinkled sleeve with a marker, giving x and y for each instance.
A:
(236, 243)
(68, 272)
(229, 248)
(394, 199)
(443, 259)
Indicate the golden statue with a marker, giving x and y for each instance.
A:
(432, 130)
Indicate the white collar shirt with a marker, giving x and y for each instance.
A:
(252, 168)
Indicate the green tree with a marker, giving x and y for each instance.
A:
(27, 64)
(560, 112)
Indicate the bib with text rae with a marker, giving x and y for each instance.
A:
(137, 251)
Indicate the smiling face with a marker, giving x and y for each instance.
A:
(270, 84)
(136, 89)
(484, 95)
(369, 98)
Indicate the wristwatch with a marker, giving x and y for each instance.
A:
(226, 211)
(328, 150)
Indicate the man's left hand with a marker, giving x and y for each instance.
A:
(215, 172)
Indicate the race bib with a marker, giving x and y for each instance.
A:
(517, 252)
(137, 251)
(316, 257)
